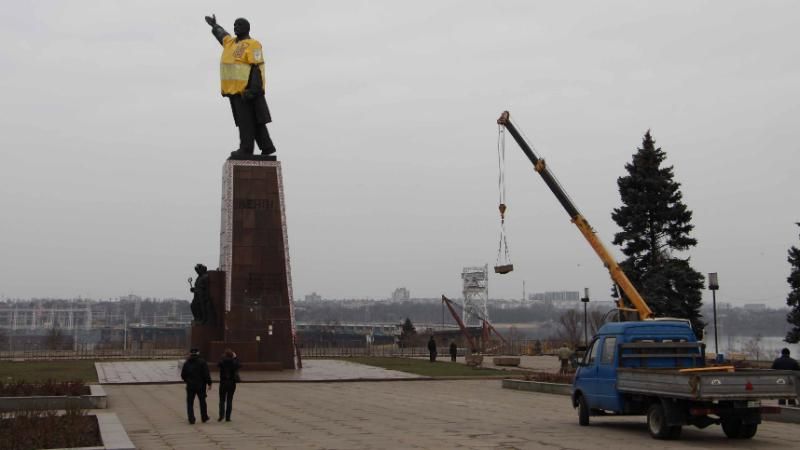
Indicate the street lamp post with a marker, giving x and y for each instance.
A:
(713, 284)
(585, 301)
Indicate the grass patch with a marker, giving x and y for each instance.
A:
(426, 368)
(41, 371)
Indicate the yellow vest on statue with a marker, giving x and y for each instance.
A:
(234, 66)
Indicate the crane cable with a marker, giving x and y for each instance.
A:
(503, 264)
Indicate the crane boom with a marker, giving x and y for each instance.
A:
(577, 218)
(467, 336)
(486, 327)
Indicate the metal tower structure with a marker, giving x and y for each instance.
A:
(476, 294)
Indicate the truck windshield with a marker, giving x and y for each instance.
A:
(609, 347)
(591, 355)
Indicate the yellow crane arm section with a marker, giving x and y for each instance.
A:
(614, 269)
(577, 218)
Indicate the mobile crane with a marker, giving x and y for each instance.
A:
(617, 275)
(657, 367)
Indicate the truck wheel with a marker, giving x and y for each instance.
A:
(731, 427)
(657, 422)
(747, 431)
(735, 429)
(583, 411)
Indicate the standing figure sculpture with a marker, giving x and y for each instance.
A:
(201, 302)
(243, 81)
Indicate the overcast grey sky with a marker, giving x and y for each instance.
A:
(113, 136)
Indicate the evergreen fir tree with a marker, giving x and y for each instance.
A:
(408, 333)
(656, 223)
(793, 300)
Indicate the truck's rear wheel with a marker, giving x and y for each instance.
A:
(735, 429)
(583, 411)
(747, 431)
(731, 428)
(657, 423)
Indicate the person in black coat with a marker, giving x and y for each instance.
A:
(785, 362)
(453, 351)
(228, 377)
(432, 348)
(198, 380)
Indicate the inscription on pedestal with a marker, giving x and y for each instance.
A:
(254, 254)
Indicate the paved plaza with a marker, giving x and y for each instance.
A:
(142, 372)
(397, 414)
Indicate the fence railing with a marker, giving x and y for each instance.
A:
(166, 353)
(325, 351)
(513, 348)
(307, 350)
(316, 350)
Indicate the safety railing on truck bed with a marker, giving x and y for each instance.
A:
(662, 354)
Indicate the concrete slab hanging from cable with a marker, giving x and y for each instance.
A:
(503, 264)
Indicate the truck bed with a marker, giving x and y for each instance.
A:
(743, 384)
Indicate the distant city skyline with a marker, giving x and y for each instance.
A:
(314, 296)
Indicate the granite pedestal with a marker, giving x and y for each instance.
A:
(257, 316)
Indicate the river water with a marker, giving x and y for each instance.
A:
(764, 348)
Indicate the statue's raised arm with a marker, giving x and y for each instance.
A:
(216, 30)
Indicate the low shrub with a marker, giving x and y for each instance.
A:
(27, 430)
(21, 388)
(547, 377)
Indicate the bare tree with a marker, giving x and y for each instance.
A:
(753, 347)
(513, 333)
(513, 337)
(570, 328)
(595, 321)
(55, 339)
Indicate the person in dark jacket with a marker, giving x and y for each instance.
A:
(228, 377)
(453, 351)
(432, 348)
(785, 362)
(198, 380)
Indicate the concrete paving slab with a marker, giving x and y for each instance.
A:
(148, 372)
(432, 414)
(114, 372)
